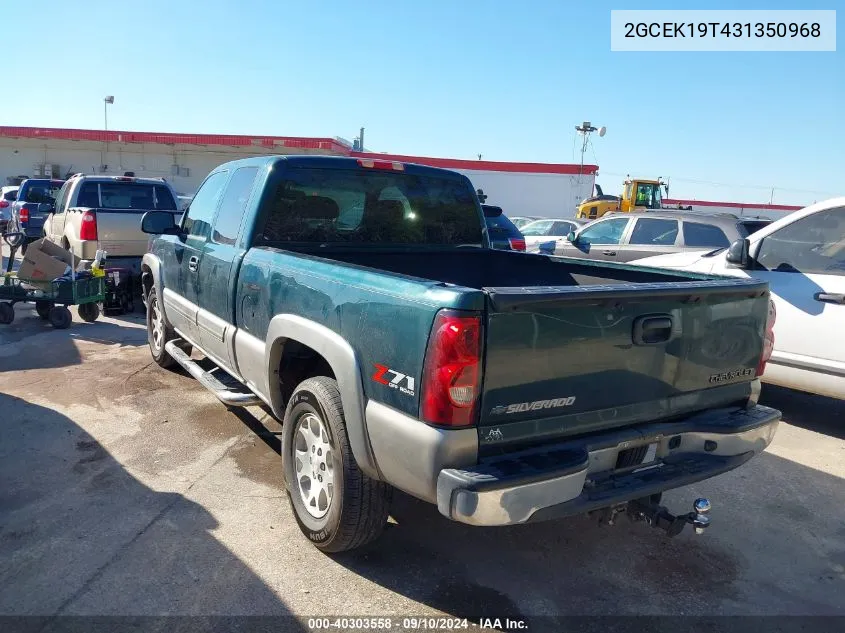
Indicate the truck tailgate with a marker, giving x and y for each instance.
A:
(119, 231)
(568, 360)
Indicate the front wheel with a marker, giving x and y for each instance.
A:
(337, 506)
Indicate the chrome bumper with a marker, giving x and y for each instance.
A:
(584, 474)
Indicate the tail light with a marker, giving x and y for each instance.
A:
(24, 215)
(88, 226)
(517, 244)
(381, 164)
(4, 204)
(452, 372)
(769, 339)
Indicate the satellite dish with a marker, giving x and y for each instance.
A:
(602, 130)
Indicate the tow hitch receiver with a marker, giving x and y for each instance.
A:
(659, 517)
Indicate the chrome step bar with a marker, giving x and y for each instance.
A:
(227, 396)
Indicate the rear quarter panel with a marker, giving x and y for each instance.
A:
(385, 318)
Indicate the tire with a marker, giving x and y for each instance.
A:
(43, 308)
(7, 313)
(158, 333)
(60, 317)
(89, 312)
(355, 512)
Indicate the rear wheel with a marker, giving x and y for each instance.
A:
(43, 308)
(337, 506)
(158, 333)
(60, 317)
(7, 313)
(89, 312)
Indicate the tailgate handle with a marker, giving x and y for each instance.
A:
(652, 329)
(193, 263)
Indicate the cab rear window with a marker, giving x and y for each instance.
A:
(125, 195)
(337, 206)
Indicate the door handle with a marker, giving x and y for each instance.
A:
(652, 329)
(829, 297)
(612, 253)
(193, 263)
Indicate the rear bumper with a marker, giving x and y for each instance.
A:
(580, 475)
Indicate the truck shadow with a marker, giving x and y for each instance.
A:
(814, 413)
(574, 567)
(79, 535)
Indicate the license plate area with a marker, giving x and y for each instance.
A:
(636, 456)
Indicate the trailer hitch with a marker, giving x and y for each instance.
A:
(659, 517)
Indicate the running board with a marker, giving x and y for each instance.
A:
(226, 395)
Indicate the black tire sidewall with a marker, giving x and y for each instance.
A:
(162, 354)
(7, 313)
(308, 400)
(60, 317)
(89, 312)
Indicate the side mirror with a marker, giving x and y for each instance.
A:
(159, 223)
(737, 254)
(572, 238)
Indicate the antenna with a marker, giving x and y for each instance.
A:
(602, 131)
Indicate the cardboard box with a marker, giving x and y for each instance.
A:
(44, 261)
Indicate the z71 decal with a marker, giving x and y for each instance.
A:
(394, 379)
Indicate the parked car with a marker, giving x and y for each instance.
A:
(35, 200)
(359, 300)
(521, 220)
(624, 237)
(502, 232)
(802, 258)
(547, 232)
(7, 198)
(94, 212)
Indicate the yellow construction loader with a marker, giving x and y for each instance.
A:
(638, 194)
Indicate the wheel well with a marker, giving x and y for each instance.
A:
(146, 279)
(300, 362)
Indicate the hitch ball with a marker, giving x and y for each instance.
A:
(700, 520)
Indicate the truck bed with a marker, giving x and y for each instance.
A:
(488, 268)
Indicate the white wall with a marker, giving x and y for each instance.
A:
(540, 195)
(17, 157)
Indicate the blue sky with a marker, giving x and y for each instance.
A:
(508, 80)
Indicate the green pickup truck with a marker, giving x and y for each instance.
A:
(359, 300)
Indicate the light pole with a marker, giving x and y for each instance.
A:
(584, 130)
(109, 100)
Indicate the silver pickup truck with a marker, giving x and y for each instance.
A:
(104, 212)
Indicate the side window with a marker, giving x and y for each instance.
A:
(164, 199)
(561, 228)
(89, 195)
(537, 228)
(704, 235)
(813, 244)
(607, 232)
(61, 199)
(197, 220)
(654, 232)
(232, 206)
